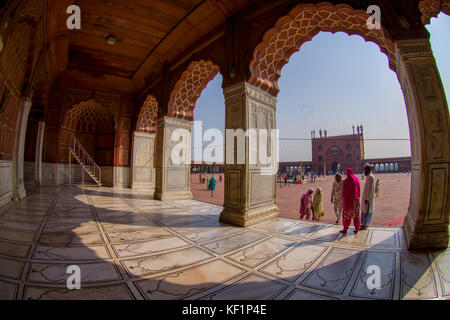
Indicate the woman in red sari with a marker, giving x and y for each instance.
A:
(351, 193)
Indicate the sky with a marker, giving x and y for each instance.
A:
(333, 82)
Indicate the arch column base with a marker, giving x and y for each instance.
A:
(424, 239)
(249, 217)
(173, 195)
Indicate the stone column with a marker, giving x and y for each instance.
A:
(143, 172)
(19, 148)
(250, 180)
(173, 159)
(38, 154)
(426, 224)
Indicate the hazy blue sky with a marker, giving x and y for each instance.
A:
(331, 83)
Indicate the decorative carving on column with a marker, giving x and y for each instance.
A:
(173, 175)
(426, 225)
(249, 186)
(19, 148)
(38, 157)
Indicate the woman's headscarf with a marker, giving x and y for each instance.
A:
(350, 190)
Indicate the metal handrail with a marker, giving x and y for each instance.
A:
(86, 159)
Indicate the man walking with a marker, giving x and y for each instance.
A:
(368, 197)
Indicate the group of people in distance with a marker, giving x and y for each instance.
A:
(347, 199)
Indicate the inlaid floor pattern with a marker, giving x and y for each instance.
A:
(128, 246)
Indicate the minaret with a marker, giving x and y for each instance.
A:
(325, 133)
(357, 129)
(353, 129)
(320, 133)
(361, 130)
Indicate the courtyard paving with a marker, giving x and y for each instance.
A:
(129, 246)
(391, 206)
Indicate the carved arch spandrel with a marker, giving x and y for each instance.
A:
(303, 23)
(189, 87)
(431, 9)
(148, 115)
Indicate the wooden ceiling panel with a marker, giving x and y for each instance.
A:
(110, 17)
(133, 39)
(97, 61)
(86, 40)
(138, 25)
(150, 34)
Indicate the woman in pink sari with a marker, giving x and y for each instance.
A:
(306, 204)
(351, 193)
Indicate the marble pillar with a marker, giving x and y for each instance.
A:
(251, 156)
(426, 224)
(19, 148)
(143, 171)
(38, 154)
(173, 159)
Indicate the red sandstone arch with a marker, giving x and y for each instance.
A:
(303, 23)
(84, 116)
(189, 87)
(431, 9)
(148, 115)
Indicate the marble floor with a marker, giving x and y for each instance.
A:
(130, 247)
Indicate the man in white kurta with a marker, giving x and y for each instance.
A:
(368, 197)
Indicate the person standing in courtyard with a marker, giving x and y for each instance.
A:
(285, 179)
(336, 196)
(317, 206)
(306, 204)
(351, 193)
(212, 185)
(367, 199)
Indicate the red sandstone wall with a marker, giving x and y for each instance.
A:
(347, 158)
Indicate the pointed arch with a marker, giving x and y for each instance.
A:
(303, 23)
(148, 115)
(431, 8)
(189, 87)
(86, 116)
(88, 112)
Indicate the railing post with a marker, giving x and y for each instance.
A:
(70, 180)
